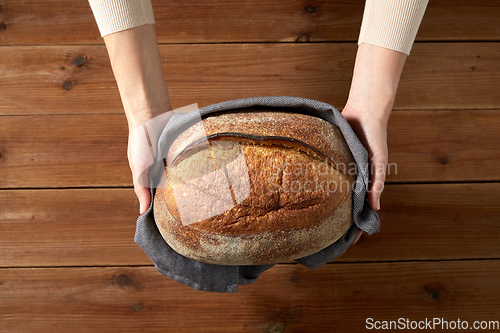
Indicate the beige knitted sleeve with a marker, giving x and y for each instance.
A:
(392, 24)
(116, 15)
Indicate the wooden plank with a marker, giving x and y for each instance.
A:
(334, 298)
(64, 151)
(443, 146)
(48, 80)
(95, 227)
(460, 21)
(433, 222)
(36, 22)
(90, 150)
(86, 227)
(42, 80)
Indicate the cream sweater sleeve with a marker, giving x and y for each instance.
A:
(116, 15)
(392, 24)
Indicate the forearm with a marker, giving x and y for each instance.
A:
(375, 81)
(387, 34)
(136, 63)
(376, 75)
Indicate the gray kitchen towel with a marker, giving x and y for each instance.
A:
(221, 278)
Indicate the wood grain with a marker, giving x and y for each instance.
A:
(49, 151)
(443, 146)
(89, 227)
(64, 151)
(68, 259)
(334, 298)
(95, 227)
(46, 80)
(37, 22)
(434, 222)
(57, 80)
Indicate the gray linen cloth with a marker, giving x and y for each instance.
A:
(221, 278)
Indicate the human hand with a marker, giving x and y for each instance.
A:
(137, 66)
(372, 133)
(141, 153)
(373, 89)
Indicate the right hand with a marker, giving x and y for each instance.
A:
(372, 133)
(373, 89)
(141, 152)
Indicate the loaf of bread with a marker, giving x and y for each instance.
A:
(255, 187)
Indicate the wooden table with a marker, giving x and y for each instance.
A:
(68, 262)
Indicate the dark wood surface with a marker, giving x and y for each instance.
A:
(40, 22)
(50, 151)
(95, 227)
(68, 261)
(45, 80)
(288, 298)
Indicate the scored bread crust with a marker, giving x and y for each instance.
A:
(269, 224)
(312, 131)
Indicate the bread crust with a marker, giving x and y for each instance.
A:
(231, 199)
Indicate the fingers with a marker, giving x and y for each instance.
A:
(360, 232)
(377, 180)
(144, 198)
(141, 191)
(140, 157)
(373, 135)
(141, 151)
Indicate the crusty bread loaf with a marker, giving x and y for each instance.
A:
(255, 187)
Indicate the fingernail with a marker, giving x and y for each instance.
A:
(378, 204)
(141, 206)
